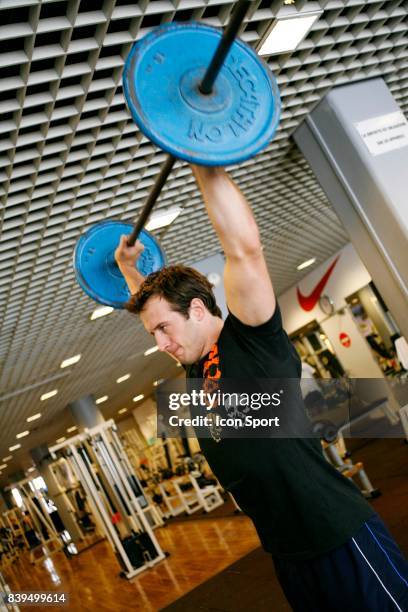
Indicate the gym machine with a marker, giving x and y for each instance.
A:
(43, 530)
(114, 494)
(5, 590)
(333, 453)
(181, 487)
(75, 499)
(13, 520)
(189, 497)
(10, 543)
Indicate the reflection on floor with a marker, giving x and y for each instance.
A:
(198, 550)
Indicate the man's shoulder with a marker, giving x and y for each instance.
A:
(266, 340)
(270, 327)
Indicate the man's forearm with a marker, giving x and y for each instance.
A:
(229, 212)
(133, 278)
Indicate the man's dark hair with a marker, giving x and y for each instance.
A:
(178, 285)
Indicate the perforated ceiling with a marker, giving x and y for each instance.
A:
(70, 156)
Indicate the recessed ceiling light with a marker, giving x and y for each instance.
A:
(23, 434)
(102, 399)
(161, 218)
(15, 447)
(34, 417)
(123, 378)
(137, 398)
(46, 396)
(60, 440)
(5, 459)
(3, 467)
(158, 382)
(214, 278)
(102, 311)
(122, 410)
(306, 263)
(31, 469)
(70, 361)
(287, 31)
(71, 429)
(151, 350)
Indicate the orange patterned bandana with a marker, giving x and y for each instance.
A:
(212, 374)
(212, 364)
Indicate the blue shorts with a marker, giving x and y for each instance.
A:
(367, 574)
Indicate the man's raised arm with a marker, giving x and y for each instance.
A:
(248, 286)
(126, 258)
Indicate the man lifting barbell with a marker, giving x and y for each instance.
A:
(331, 551)
(214, 108)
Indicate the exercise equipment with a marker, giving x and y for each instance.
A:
(162, 84)
(13, 519)
(75, 500)
(325, 430)
(40, 533)
(114, 495)
(215, 115)
(10, 545)
(95, 266)
(186, 489)
(350, 469)
(176, 483)
(6, 590)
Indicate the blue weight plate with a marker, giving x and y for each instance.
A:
(161, 78)
(95, 266)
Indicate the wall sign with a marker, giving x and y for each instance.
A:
(309, 301)
(345, 339)
(384, 133)
(348, 276)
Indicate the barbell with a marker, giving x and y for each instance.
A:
(204, 97)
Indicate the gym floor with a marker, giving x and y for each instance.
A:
(213, 558)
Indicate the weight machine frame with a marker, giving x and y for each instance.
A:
(110, 457)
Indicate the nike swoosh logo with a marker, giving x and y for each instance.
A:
(308, 302)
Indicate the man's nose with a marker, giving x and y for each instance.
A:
(163, 344)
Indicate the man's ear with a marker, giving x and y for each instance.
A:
(197, 309)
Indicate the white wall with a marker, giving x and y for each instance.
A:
(355, 355)
(214, 265)
(348, 275)
(146, 417)
(126, 424)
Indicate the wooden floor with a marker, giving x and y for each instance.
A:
(250, 584)
(198, 550)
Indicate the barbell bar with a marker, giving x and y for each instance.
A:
(213, 117)
(205, 87)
